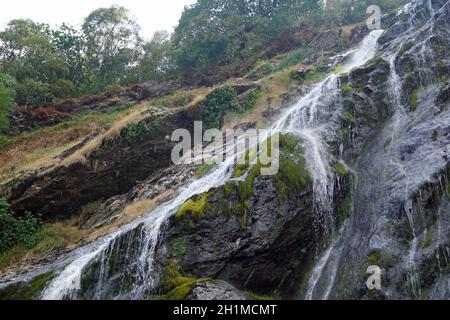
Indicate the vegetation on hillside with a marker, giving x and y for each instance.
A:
(42, 64)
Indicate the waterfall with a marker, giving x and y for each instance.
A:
(68, 282)
(355, 58)
(423, 55)
(307, 119)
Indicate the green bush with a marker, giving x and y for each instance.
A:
(217, 103)
(252, 99)
(14, 231)
(62, 88)
(32, 92)
(6, 102)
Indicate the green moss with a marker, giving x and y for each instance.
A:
(428, 240)
(244, 163)
(345, 205)
(30, 291)
(293, 172)
(374, 258)
(413, 101)
(177, 294)
(228, 190)
(172, 277)
(245, 191)
(240, 170)
(177, 286)
(346, 89)
(195, 206)
(178, 245)
(348, 117)
(245, 188)
(339, 68)
(255, 296)
(340, 169)
(204, 169)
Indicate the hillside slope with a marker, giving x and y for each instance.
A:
(363, 181)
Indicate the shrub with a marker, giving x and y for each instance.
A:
(251, 100)
(115, 102)
(15, 231)
(217, 103)
(62, 88)
(6, 102)
(32, 92)
(92, 99)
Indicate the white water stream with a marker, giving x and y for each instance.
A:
(303, 119)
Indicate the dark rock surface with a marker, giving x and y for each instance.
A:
(216, 290)
(113, 169)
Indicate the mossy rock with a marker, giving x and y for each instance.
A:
(341, 170)
(194, 206)
(374, 258)
(293, 173)
(348, 118)
(413, 101)
(178, 246)
(27, 291)
(177, 286)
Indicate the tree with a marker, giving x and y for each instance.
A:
(155, 61)
(112, 43)
(70, 44)
(27, 51)
(7, 92)
(213, 32)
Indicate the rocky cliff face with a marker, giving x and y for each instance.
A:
(398, 144)
(363, 181)
(115, 163)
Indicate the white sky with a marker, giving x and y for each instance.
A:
(152, 15)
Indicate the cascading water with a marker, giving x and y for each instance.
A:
(423, 56)
(68, 282)
(355, 58)
(304, 119)
(313, 119)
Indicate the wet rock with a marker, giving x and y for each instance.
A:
(215, 290)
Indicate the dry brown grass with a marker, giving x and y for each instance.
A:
(273, 87)
(135, 116)
(131, 212)
(34, 150)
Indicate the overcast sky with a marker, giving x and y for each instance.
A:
(152, 15)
